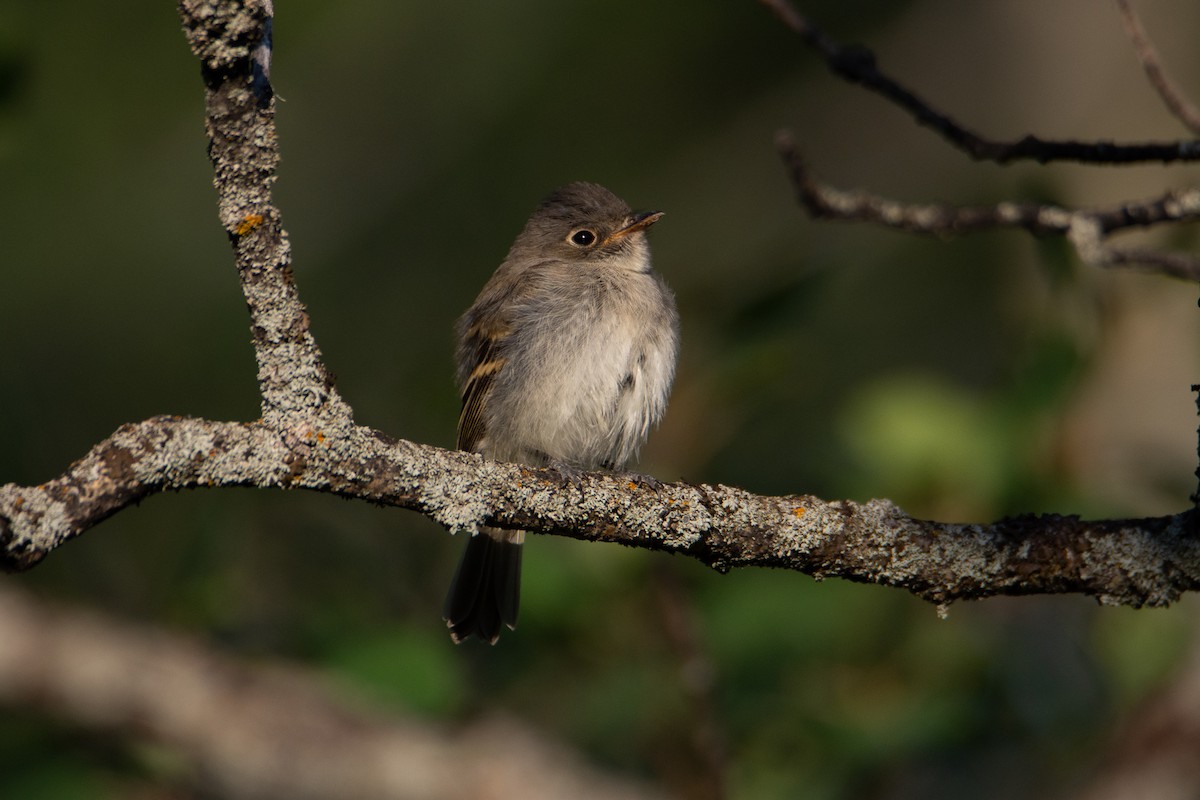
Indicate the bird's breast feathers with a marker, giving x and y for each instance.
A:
(607, 352)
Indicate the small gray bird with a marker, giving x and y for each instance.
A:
(565, 360)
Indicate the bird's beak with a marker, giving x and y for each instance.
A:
(639, 222)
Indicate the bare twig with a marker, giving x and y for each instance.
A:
(1174, 99)
(857, 65)
(1177, 265)
(1086, 229)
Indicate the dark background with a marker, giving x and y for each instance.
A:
(964, 379)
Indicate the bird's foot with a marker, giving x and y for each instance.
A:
(642, 481)
(566, 474)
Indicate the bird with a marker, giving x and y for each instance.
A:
(565, 360)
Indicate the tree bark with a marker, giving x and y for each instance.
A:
(306, 438)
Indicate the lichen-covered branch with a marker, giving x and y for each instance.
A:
(232, 41)
(1132, 562)
(307, 439)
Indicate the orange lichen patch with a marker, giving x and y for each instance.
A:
(632, 485)
(799, 511)
(248, 223)
(20, 501)
(320, 437)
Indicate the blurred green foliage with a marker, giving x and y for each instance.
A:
(840, 360)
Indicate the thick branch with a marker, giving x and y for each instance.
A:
(1131, 562)
(307, 439)
(857, 64)
(265, 731)
(232, 41)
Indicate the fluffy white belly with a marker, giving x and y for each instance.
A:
(596, 372)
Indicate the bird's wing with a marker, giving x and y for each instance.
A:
(487, 360)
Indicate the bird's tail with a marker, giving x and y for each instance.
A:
(486, 590)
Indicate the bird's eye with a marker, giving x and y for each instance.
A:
(582, 238)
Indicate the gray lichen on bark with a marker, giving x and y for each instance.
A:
(307, 439)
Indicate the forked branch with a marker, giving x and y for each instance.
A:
(307, 439)
(1088, 229)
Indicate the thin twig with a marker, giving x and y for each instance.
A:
(857, 64)
(1086, 229)
(1176, 265)
(1174, 99)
